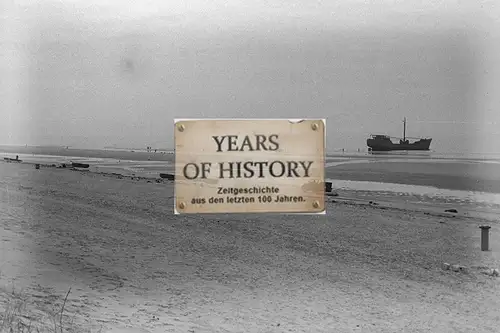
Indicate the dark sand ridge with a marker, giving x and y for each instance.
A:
(128, 258)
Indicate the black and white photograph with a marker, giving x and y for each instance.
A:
(103, 230)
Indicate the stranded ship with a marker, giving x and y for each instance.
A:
(381, 142)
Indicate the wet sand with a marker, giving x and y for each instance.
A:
(453, 175)
(135, 267)
(466, 174)
(471, 186)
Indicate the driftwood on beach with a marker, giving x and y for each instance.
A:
(7, 159)
(167, 176)
(80, 165)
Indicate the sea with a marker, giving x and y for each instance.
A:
(463, 181)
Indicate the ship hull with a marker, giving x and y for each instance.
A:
(378, 145)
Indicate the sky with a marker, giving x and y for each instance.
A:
(95, 73)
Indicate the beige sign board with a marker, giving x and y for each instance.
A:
(249, 166)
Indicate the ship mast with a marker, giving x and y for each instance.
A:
(404, 129)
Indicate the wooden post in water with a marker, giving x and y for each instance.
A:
(404, 130)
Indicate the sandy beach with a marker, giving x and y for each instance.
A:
(388, 106)
(133, 266)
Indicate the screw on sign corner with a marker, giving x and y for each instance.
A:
(182, 205)
(314, 127)
(181, 127)
(316, 204)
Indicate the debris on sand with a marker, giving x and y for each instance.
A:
(8, 159)
(455, 268)
(80, 165)
(458, 268)
(453, 210)
(167, 176)
(492, 272)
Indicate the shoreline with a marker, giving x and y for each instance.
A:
(341, 196)
(353, 178)
(163, 154)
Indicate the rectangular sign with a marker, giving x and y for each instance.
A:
(249, 166)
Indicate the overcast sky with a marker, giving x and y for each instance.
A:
(92, 73)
